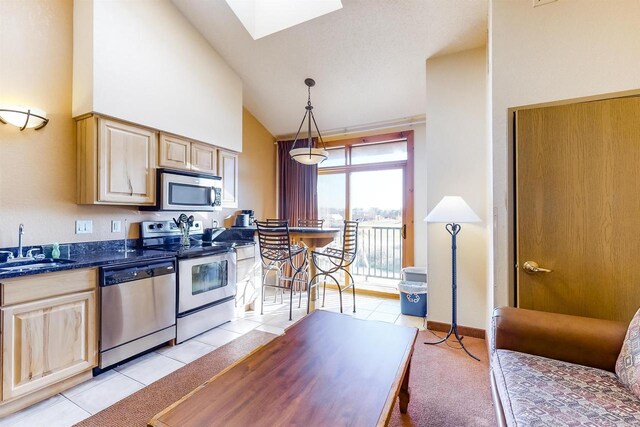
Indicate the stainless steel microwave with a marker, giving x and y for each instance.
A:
(187, 191)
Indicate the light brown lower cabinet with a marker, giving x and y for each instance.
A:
(48, 344)
(246, 270)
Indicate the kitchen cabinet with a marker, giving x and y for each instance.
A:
(203, 158)
(174, 152)
(49, 335)
(228, 170)
(179, 153)
(116, 162)
(247, 276)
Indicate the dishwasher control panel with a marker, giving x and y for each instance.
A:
(127, 273)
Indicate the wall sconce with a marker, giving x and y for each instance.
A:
(23, 117)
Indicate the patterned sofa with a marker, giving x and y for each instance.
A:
(551, 369)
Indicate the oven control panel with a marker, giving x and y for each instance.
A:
(166, 228)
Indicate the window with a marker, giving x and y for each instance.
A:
(370, 179)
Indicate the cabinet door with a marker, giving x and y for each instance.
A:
(126, 163)
(47, 341)
(203, 158)
(174, 152)
(228, 170)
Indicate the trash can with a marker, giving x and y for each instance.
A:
(415, 274)
(413, 291)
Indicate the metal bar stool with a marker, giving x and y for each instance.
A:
(277, 253)
(338, 260)
(312, 223)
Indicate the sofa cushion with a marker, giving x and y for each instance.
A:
(536, 391)
(628, 363)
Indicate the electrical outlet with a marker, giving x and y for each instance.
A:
(116, 226)
(84, 226)
(537, 3)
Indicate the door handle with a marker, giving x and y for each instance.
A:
(532, 267)
(404, 231)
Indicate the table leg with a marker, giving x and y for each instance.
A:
(312, 272)
(405, 391)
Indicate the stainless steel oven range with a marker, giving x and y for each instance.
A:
(206, 285)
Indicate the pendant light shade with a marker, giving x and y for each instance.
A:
(309, 154)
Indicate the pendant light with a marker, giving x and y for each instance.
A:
(309, 155)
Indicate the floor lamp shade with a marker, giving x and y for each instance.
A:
(452, 209)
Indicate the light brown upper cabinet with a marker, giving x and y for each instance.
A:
(116, 162)
(180, 153)
(174, 152)
(203, 158)
(228, 170)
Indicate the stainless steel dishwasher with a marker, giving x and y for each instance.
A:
(138, 306)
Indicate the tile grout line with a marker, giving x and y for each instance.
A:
(78, 406)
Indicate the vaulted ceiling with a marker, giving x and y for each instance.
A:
(368, 59)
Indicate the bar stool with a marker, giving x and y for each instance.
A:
(338, 260)
(312, 223)
(277, 255)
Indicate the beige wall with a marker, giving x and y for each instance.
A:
(147, 64)
(563, 50)
(257, 173)
(456, 153)
(37, 168)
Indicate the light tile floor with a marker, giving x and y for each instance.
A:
(102, 391)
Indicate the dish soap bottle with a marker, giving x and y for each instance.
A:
(55, 250)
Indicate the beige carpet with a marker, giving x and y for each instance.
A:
(448, 388)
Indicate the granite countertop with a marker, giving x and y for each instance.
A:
(93, 258)
(109, 252)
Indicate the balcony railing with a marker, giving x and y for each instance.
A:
(379, 252)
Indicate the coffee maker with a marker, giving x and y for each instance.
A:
(251, 215)
(245, 218)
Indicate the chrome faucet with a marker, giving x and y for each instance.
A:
(20, 234)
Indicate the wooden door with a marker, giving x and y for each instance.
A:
(228, 170)
(174, 152)
(46, 341)
(126, 162)
(578, 208)
(203, 158)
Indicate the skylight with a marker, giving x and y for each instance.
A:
(264, 17)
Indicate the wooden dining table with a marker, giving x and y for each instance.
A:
(329, 369)
(313, 239)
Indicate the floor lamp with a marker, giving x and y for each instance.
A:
(453, 210)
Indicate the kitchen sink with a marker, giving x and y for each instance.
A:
(33, 264)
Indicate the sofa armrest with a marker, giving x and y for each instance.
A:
(580, 340)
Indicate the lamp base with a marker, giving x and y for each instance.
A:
(454, 331)
(454, 229)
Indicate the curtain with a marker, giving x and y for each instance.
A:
(297, 186)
